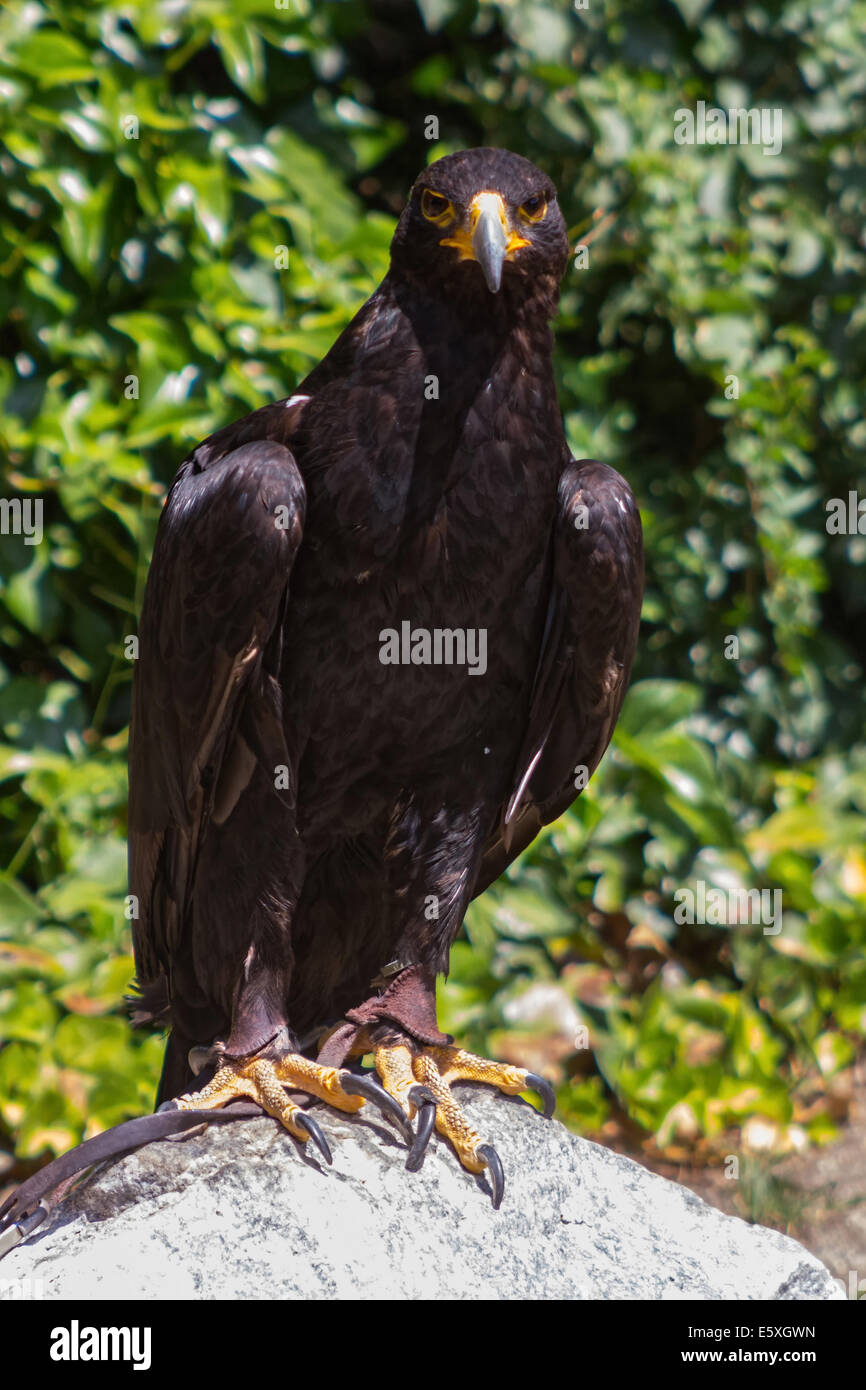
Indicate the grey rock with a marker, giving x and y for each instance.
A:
(242, 1212)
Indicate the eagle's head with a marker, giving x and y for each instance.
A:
(482, 216)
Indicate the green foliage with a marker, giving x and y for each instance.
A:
(154, 160)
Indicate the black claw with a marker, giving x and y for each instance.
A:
(355, 1085)
(314, 1130)
(426, 1121)
(417, 1095)
(494, 1168)
(544, 1089)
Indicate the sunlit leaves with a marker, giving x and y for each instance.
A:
(196, 198)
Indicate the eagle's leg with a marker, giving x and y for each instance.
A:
(417, 1062)
(257, 1056)
(419, 1065)
(265, 1080)
(259, 1060)
(421, 1078)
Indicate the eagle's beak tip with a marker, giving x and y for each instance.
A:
(489, 245)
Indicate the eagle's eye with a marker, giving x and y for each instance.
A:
(434, 207)
(534, 208)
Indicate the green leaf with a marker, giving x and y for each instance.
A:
(53, 57)
(654, 705)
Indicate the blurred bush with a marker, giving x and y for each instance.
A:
(154, 159)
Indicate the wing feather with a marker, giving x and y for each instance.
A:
(206, 699)
(586, 656)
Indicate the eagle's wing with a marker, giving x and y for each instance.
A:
(206, 694)
(585, 660)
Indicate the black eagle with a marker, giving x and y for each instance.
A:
(387, 631)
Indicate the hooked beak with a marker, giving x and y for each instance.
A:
(487, 238)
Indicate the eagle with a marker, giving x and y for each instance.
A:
(387, 630)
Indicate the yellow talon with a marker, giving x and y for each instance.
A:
(265, 1081)
(436, 1069)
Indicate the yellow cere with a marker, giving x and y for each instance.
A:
(462, 236)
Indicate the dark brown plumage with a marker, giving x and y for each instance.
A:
(301, 814)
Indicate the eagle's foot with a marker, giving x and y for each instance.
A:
(421, 1082)
(264, 1081)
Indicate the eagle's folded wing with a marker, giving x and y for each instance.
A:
(206, 693)
(585, 660)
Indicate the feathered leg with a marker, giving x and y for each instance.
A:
(259, 1059)
(416, 1061)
